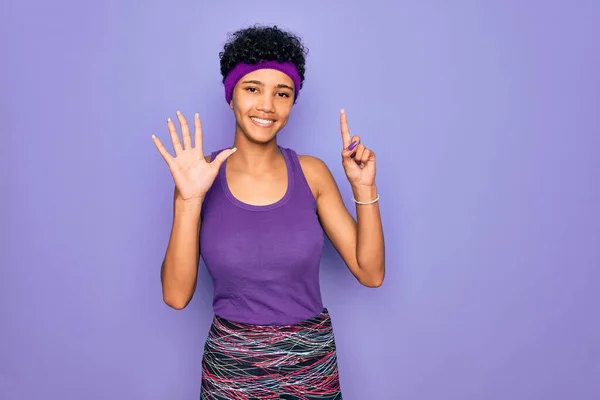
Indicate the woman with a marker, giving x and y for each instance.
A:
(257, 212)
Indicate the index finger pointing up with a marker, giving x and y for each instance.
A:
(344, 129)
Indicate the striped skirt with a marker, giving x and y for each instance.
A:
(243, 361)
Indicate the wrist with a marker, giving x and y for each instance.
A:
(188, 205)
(364, 193)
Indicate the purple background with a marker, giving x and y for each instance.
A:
(485, 120)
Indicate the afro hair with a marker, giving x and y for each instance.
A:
(263, 43)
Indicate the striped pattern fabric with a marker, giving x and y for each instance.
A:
(243, 361)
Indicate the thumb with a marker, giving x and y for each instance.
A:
(348, 153)
(222, 156)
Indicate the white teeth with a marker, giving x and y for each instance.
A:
(263, 121)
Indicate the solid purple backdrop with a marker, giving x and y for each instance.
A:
(485, 120)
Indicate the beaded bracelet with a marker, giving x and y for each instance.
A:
(366, 202)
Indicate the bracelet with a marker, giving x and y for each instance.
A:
(366, 202)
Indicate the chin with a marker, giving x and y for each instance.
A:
(261, 138)
(259, 134)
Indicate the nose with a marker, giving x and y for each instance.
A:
(266, 103)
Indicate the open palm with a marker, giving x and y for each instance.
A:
(192, 174)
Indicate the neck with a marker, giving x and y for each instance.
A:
(252, 156)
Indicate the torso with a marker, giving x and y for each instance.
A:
(262, 242)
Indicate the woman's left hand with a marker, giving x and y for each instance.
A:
(358, 160)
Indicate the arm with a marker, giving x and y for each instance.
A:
(179, 271)
(193, 175)
(360, 243)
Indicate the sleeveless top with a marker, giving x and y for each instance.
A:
(263, 259)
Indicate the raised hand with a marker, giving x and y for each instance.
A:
(192, 174)
(358, 161)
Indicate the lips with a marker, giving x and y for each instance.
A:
(262, 122)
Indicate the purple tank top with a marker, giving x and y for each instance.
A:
(263, 260)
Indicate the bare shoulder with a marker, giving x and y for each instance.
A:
(312, 163)
(317, 173)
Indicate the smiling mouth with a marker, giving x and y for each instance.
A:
(263, 123)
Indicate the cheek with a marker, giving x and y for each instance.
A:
(284, 112)
(240, 98)
(284, 107)
(241, 106)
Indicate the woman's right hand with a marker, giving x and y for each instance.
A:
(192, 174)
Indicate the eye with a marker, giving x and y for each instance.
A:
(252, 89)
(283, 94)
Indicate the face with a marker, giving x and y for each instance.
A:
(262, 102)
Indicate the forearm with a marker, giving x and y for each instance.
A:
(180, 266)
(370, 249)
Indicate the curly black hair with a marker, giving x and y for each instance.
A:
(263, 43)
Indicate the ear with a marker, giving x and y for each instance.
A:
(231, 104)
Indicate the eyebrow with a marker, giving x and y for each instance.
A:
(280, 86)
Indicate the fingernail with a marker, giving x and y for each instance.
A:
(196, 115)
(234, 149)
(168, 119)
(343, 111)
(178, 112)
(153, 137)
(352, 146)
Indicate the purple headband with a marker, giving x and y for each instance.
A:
(242, 69)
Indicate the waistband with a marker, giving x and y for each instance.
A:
(322, 319)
